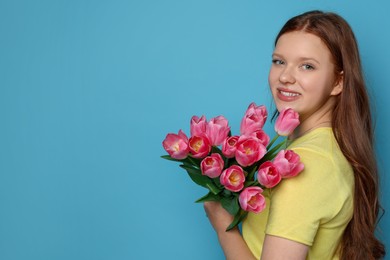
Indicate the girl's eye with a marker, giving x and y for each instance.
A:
(277, 62)
(307, 67)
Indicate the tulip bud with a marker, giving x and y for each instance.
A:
(262, 136)
(198, 125)
(286, 122)
(251, 199)
(176, 145)
(229, 146)
(254, 119)
(212, 165)
(217, 130)
(233, 178)
(268, 175)
(288, 163)
(199, 146)
(249, 150)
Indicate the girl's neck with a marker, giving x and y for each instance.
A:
(309, 124)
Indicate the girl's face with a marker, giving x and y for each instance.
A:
(302, 75)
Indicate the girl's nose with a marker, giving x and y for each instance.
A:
(287, 76)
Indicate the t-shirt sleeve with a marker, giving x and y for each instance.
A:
(300, 204)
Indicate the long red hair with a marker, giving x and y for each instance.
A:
(352, 126)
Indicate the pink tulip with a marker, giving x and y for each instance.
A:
(217, 130)
(176, 145)
(212, 165)
(233, 178)
(198, 125)
(229, 146)
(254, 119)
(249, 150)
(288, 163)
(262, 136)
(268, 175)
(199, 146)
(251, 199)
(286, 122)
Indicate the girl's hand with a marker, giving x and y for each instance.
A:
(219, 218)
(232, 243)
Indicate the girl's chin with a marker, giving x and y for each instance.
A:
(280, 107)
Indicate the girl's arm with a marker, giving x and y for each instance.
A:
(234, 246)
(232, 243)
(278, 248)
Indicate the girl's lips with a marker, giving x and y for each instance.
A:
(286, 95)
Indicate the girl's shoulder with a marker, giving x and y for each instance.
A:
(325, 166)
(319, 145)
(318, 139)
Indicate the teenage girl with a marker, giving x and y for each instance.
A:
(330, 210)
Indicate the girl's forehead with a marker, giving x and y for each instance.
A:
(303, 45)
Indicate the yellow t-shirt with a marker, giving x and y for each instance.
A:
(312, 208)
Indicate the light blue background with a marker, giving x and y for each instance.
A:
(88, 91)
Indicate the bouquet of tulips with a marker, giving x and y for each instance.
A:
(236, 168)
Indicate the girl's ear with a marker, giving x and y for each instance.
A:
(338, 87)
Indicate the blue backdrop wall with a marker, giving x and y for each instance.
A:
(88, 91)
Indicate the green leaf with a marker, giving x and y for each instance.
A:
(193, 161)
(237, 219)
(211, 186)
(168, 157)
(217, 183)
(227, 162)
(188, 160)
(208, 197)
(227, 193)
(252, 172)
(250, 183)
(230, 204)
(202, 180)
(195, 175)
(190, 165)
(215, 149)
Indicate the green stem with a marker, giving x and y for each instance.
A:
(271, 153)
(273, 141)
(277, 146)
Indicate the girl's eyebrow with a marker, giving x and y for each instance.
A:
(309, 59)
(300, 58)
